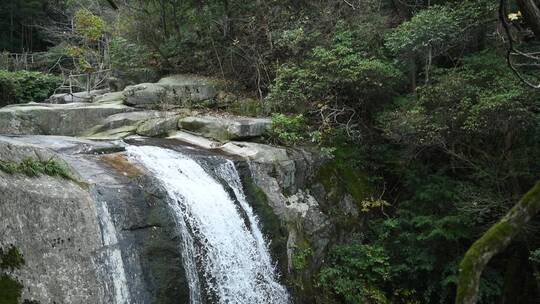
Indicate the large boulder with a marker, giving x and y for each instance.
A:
(145, 95)
(55, 119)
(226, 128)
(170, 92)
(189, 87)
(158, 126)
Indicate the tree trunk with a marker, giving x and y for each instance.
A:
(531, 14)
(492, 242)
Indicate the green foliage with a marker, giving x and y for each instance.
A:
(11, 258)
(301, 258)
(131, 59)
(88, 25)
(10, 290)
(288, 130)
(24, 86)
(356, 273)
(475, 113)
(33, 168)
(340, 72)
(440, 27)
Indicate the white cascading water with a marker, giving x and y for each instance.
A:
(114, 262)
(234, 258)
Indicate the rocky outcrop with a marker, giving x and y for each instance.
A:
(116, 236)
(172, 91)
(189, 87)
(305, 202)
(226, 128)
(105, 238)
(55, 119)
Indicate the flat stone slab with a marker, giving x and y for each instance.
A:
(158, 126)
(194, 140)
(226, 128)
(260, 153)
(55, 119)
(76, 97)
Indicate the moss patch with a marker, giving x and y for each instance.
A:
(11, 259)
(10, 290)
(33, 168)
(339, 179)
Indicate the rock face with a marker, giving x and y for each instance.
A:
(158, 126)
(145, 95)
(189, 87)
(171, 91)
(53, 119)
(226, 128)
(108, 236)
(104, 239)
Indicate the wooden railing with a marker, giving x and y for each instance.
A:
(84, 82)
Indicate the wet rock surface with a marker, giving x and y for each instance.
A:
(111, 227)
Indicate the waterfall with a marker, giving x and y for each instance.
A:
(114, 262)
(222, 245)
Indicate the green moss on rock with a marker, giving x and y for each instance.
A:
(11, 259)
(339, 179)
(33, 168)
(10, 290)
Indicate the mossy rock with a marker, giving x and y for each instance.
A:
(10, 290)
(339, 179)
(11, 259)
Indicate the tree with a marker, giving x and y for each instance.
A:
(495, 240)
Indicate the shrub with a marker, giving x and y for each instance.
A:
(356, 272)
(288, 130)
(24, 86)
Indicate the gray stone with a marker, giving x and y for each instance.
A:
(194, 140)
(77, 237)
(226, 128)
(256, 152)
(189, 87)
(76, 97)
(115, 133)
(55, 119)
(172, 91)
(113, 97)
(158, 126)
(145, 95)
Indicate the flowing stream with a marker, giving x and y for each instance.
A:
(225, 255)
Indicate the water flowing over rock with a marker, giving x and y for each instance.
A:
(182, 219)
(236, 265)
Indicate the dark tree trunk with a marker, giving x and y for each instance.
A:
(531, 14)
